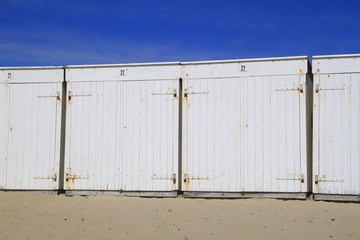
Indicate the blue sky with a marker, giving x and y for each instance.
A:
(62, 32)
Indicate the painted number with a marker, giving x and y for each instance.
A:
(123, 72)
(243, 68)
(10, 76)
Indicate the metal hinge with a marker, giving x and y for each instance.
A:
(173, 178)
(53, 177)
(318, 89)
(300, 89)
(294, 177)
(167, 93)
(57, 96)
(70, 94)
(193, 92)
(186, 92)
(323, 179)
(188, 178)
(68, 176)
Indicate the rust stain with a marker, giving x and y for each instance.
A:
(301, 71)
(175, 95)
(69, 98)
(186, 184)
(318, 70)
(69, 180)
(317, 187)
(300, 90)
(58, 98)
(187, 75)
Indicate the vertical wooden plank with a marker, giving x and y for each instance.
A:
(322, 133)
(267, 103)
(274, 133)
(316, 133)
(343, 159)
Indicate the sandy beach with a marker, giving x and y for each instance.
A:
(40, 216)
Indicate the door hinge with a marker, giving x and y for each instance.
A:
(300, 89)
(69, 176)
(318, 89)
(293, 177)
(167, 93)
(188, 91)
(187, 178)
(53, 177)
(70, 94)
(323, 179)
(57, 96)
(173, 178)
(193, 92)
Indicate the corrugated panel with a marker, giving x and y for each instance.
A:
(336, 133)
(245, 133)
(30, 130)
(122, 134)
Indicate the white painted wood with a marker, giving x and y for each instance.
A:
(336, 125)
(122, 130)
(30, 120)
(245, 131)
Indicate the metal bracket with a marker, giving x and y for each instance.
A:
(196, 92)
(299, 177)
(78, 95)
(68, 176)
(323, 179)
(186, 93)
(53, 177)
(173, 178)
(167, 93)
(57, 96)
(300, 89)
(318, 89)
(187, 178)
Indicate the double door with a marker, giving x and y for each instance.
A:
(244, 134)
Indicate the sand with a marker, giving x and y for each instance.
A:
(40, 216)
